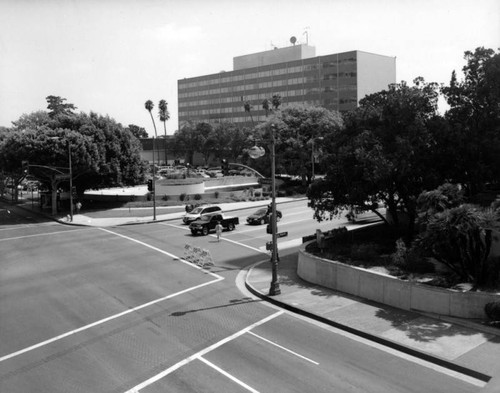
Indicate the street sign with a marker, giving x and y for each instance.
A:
(265, 181)
(61, 176)
(282, 234)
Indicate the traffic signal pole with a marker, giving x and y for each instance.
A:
(154, 183)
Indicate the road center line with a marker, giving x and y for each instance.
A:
(203, 352)
(226, 374)
(104, 320)
(283, 348)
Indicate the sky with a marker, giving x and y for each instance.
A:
(111, 56)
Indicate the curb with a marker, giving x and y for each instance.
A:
(371, 337)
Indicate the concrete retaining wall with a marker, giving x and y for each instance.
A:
(391, 290)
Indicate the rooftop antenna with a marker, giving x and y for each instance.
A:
(307, 34)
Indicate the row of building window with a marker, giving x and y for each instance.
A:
(264, 85)
(221, 78)
(259, 97)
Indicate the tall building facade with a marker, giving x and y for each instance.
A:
(337, 82)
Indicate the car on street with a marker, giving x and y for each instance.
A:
(199, 211)
(262, 216)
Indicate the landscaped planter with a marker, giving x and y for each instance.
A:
(391, 290)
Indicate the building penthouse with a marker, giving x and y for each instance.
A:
(336, 82)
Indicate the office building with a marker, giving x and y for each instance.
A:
(337, 82)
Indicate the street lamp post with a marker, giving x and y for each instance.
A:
(256, 152)
(275, 286)
(70, 183)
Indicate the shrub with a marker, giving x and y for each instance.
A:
(197, 197)
(216, 194)
(492, 310)
(258, 194)
(182, 197)
(364, 251)
(165, 198)
(416, 263)
(399, 256)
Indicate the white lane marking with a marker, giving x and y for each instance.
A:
(43, 234)
(104, 320)
(226, 374)
(203, 352)
(163, 252)
(24, 226)
(394, 352)
(283, 348)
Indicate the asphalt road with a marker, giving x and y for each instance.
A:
(118, 310)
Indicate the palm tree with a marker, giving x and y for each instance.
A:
(149, 106)
(276, 101)
(265, 106)
(248, 108)
(164, 116)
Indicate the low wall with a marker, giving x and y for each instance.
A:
(178, 189)
(391, 290)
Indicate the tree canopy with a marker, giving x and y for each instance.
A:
(474, 119)
(103, 153)
(383, 155)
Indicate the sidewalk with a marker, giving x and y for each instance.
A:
(462, 346)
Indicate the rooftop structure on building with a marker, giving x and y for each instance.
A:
(336, 81)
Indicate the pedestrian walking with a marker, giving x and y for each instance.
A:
(218, 230)
(78, 207)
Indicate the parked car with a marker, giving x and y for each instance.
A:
(262, 216)
(199, 211)
(205, 224)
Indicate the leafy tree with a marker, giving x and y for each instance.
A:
(188, 140)
(102, 152)
(57, 106)
(474, 118)
(385, 154)
(204, 130)
(164, 115)
(138, 132)
(296, 127)
(220, 139)
(303, 126)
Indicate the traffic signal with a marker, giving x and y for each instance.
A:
(269, 228)
(225, 167)
(26, 167)
(73, 192)
(150, 185)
